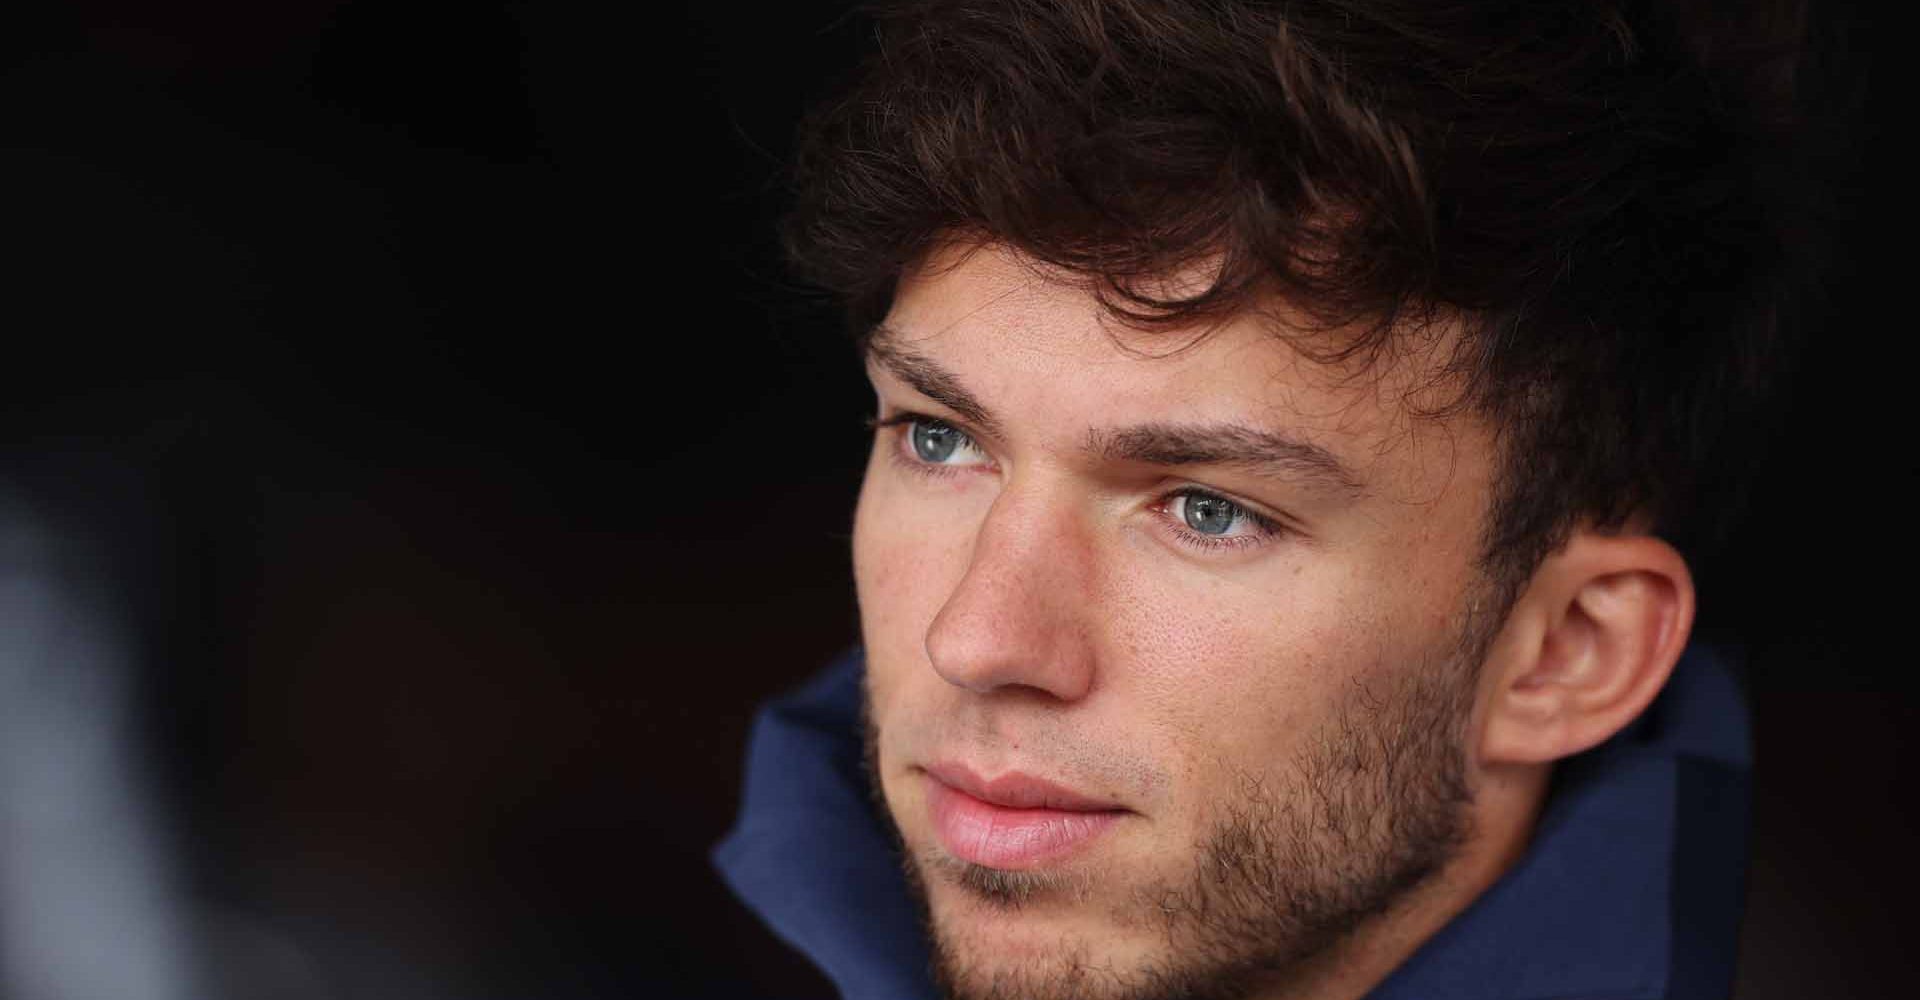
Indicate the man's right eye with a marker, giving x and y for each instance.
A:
(936, 443)
(931, 446)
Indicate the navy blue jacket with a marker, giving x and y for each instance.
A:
(1630, 890)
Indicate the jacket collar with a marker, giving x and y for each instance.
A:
(1631, 887)
(1629, 891)
(810, 855)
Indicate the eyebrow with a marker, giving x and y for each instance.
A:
(929, 379)
(1232, 445)
(1253, 449)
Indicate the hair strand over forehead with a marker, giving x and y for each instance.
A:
(1597, 191)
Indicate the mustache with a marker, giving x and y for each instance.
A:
(1074, 759)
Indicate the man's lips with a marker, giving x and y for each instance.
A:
(1013, 822)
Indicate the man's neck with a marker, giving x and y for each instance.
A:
(1505, 809)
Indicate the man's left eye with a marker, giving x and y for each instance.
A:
(1213, 516)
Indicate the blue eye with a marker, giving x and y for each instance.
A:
(1209, 515)
(935, 443)
(1211, 521)
(930, 446)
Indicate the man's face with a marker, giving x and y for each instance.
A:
(1169, 663)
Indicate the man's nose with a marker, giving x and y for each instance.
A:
(1018, 617)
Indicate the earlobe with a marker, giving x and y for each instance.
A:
(1590, 644)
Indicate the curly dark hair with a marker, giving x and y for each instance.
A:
(1601, 191)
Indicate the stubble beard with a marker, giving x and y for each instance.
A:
(1372, 807)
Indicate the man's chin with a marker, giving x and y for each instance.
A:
(1012, 926)
(1023, 934)
(1058, 890)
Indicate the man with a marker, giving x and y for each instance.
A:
(1291, 421)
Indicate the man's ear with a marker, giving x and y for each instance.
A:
(1587, 646)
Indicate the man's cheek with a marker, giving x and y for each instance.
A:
(882, 575)
(894, 610)
(892, 581)
(905, 564)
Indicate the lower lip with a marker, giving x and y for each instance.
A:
(1012, 839)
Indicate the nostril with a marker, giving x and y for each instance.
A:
(1016, 616)
(988, 646)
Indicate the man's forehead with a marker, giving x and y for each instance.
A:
(1001, 323)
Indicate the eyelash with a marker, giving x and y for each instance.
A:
(904, 423)
(1266, 528)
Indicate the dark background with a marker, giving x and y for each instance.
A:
(485, 471)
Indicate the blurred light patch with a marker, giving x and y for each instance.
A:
(89, 905)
